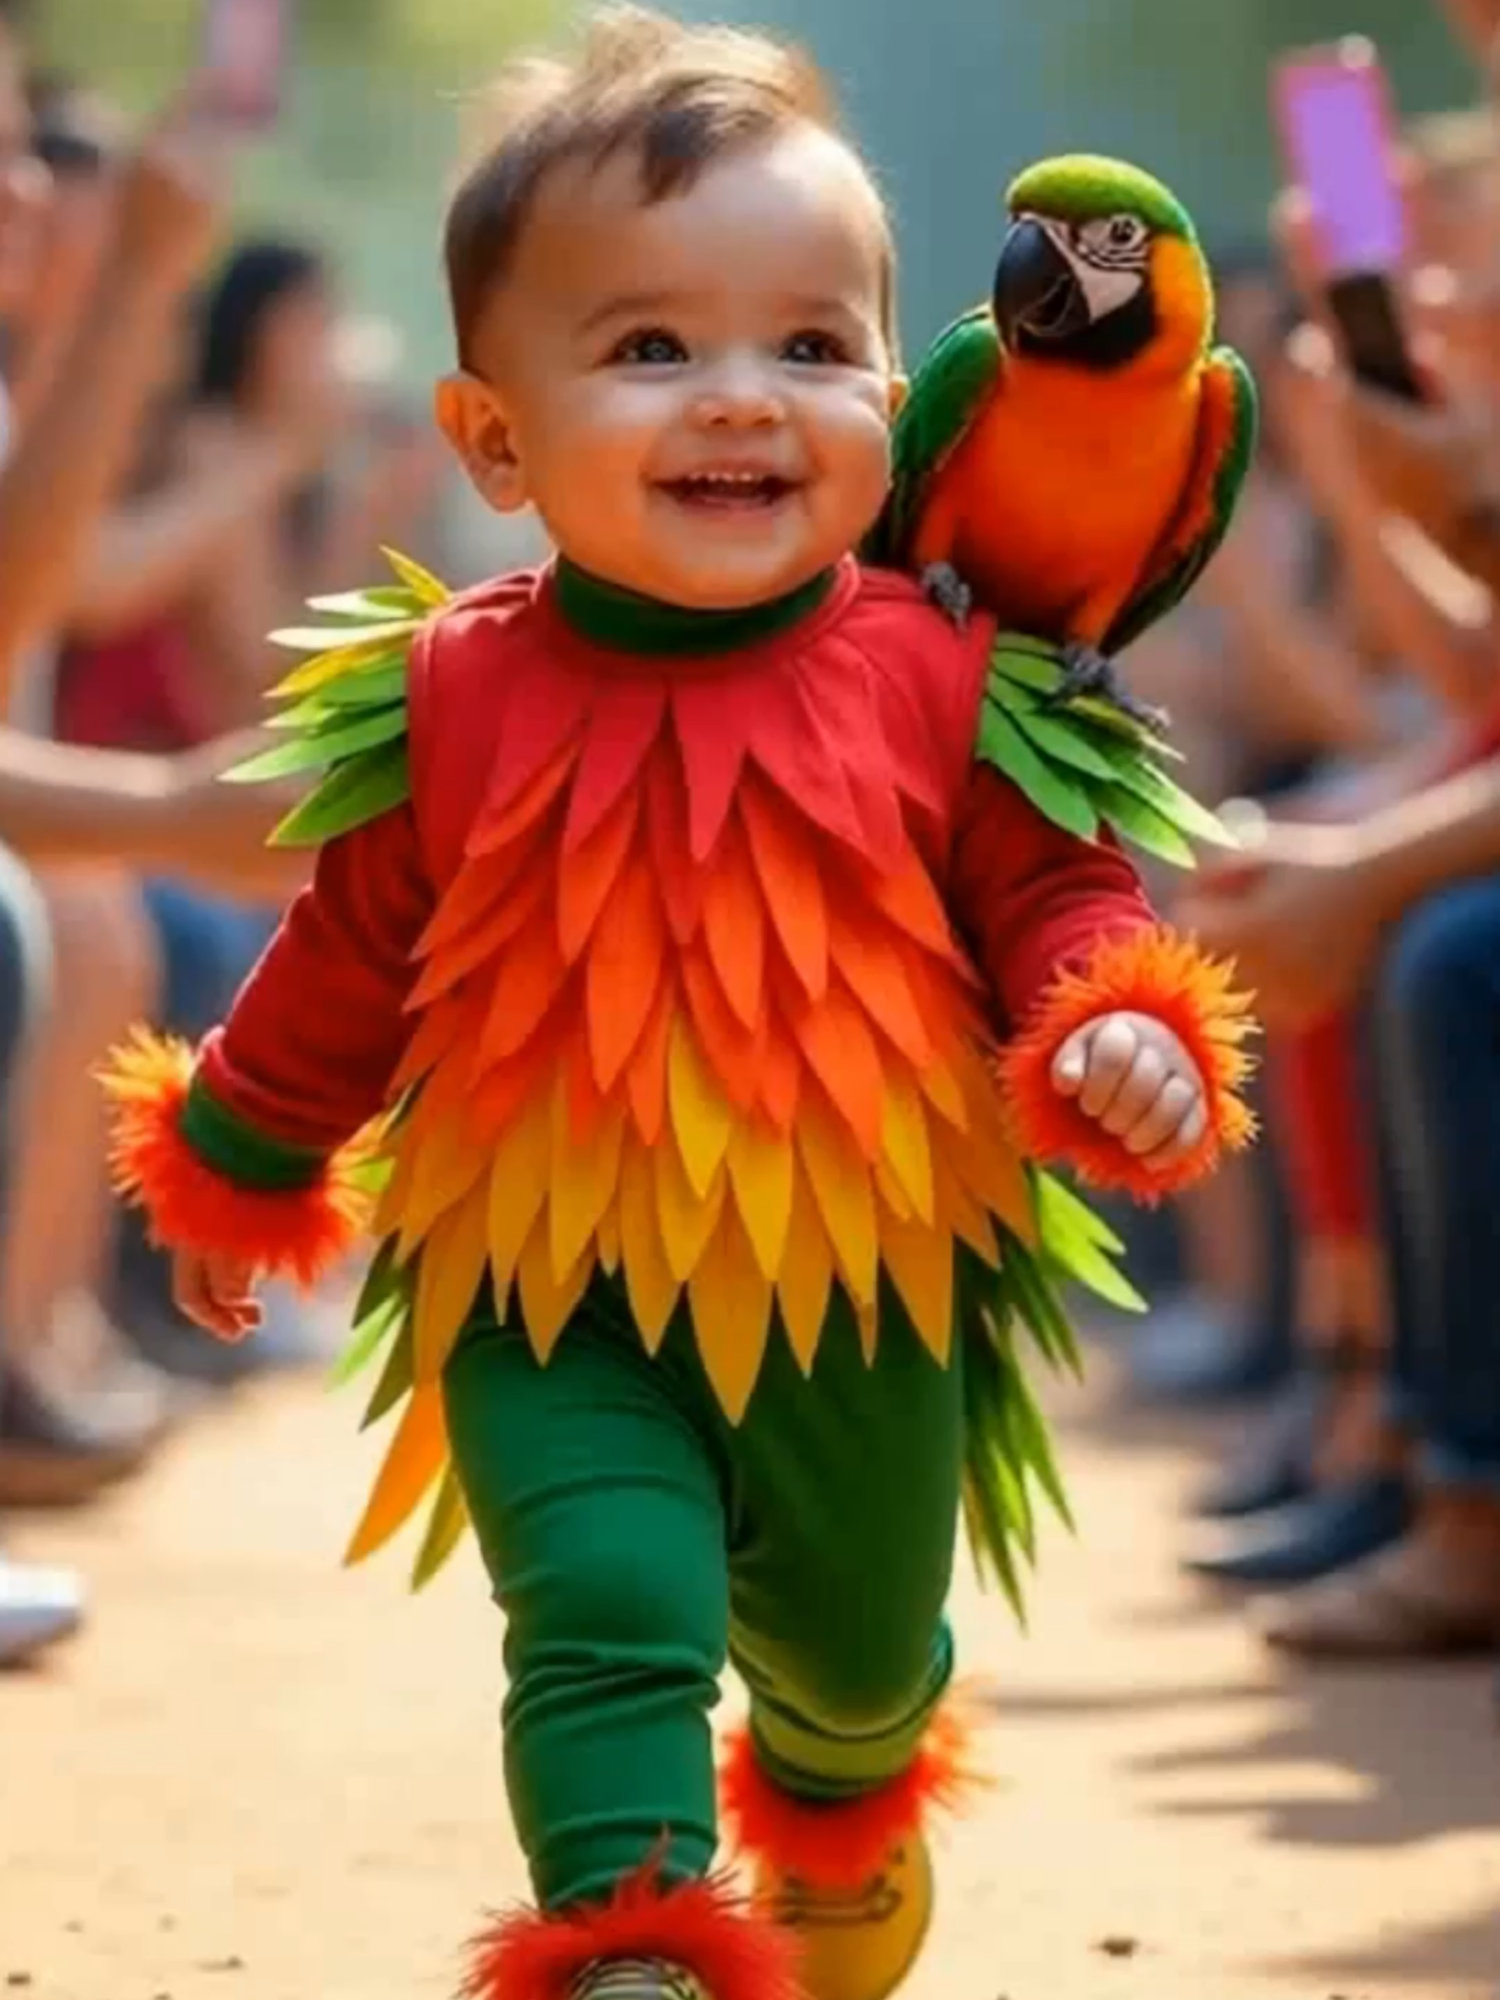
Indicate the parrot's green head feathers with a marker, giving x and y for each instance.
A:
(1100, 267)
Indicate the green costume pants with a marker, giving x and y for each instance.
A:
(635, 1540)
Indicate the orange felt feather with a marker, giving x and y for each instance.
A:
(535, 797)
(531, 977)
(1146, 970)
(590, 872)
(449, 963)
(624, 969)
(647, 1080)
(871, 964)
(791, 884)
(841, 1844)
(734, 925)
(294, 1233)
(835, 1037)
(731, 1047)
(704, 1928)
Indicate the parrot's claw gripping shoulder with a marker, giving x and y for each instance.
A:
(943, 585)
(1087, 671)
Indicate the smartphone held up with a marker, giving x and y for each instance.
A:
(1334, 118)
(243, 60)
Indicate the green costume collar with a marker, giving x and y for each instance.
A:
(623, 620)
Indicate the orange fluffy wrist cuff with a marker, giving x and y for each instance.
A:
(288, 1212)
(1146, 970)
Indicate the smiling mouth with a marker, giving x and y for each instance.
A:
(729, 492)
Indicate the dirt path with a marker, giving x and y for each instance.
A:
(258, 1780)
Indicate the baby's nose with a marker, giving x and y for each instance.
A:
(744, 396)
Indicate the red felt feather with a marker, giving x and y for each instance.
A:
(702, 1928)
(623, 722)
(842, 1844)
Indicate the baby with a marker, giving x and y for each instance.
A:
(681, 946)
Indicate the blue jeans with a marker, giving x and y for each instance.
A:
(208, 947)
(25, 968)
(1435, 1042)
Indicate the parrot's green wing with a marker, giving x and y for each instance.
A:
(1083, 762)
(1227, 425)
(343, 709)
(955, 376)
(1009, 1462)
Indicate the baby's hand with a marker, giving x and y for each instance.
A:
(1135, 1077)
(215, 1291)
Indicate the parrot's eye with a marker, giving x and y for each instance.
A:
(1115, 235)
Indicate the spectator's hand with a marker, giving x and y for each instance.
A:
(1298, 914)
(1135, 1077)
(407, 470)
(170, 198)
(1316, 395)
(219, 831)
(216, 1291)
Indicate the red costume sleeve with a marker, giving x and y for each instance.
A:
(245, 1151)
(1063, 932)
(318, 1028)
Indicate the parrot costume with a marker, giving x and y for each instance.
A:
(675, 997)
(1071, 453)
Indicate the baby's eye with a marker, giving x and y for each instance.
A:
(813, 349)
(650, 347)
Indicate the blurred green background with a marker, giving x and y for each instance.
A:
(949, 96)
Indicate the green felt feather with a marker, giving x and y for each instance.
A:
(1083, 763)
(1009, 1461)
(445, 1530)
(342, 711)
(959, 371)
(1163, 592)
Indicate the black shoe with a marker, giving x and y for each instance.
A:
(57, 1453)
(1276, 1468)
(1191, 1352)
(1308, 1538)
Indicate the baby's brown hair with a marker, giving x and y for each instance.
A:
(679, 97)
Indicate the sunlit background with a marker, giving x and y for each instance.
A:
(950, 96)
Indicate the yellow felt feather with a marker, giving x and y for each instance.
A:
(686, 1218)
(840, 1181)
(731, 1301)
(518, 1186)
(702, 1118)
(417, 1454)
(762, 1178)
(548, 1303)
(582, 1181)
(649, 1281)
(806, 1278)
(904, 1142)
(920, 1262)
(448, 1279)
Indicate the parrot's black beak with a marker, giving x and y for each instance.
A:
(1037, 293)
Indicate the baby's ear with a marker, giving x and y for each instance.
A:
(472, 418)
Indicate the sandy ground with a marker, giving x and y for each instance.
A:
(260, 1780)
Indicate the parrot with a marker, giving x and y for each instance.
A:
(1070, 452)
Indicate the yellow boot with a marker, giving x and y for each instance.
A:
(849, 1880)
(857, 1943)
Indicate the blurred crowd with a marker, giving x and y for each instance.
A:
(192, 441)
(186, 453)
(1336, 678)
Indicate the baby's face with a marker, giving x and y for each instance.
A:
(696, 394)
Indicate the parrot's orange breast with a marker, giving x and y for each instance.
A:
(1054, 503)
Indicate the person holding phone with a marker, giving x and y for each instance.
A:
(1377, 941)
